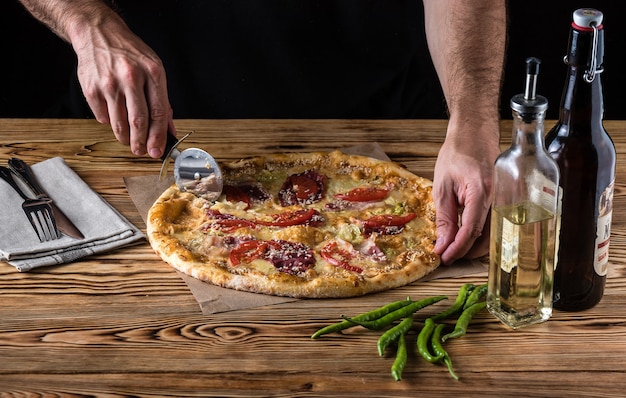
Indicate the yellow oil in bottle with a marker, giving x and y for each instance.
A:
(522, 264)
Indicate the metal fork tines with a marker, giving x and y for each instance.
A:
(38, 211)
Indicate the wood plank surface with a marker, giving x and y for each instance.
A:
(125, 324)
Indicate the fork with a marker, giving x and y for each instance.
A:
(37, 211)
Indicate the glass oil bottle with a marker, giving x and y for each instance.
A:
(525, 215)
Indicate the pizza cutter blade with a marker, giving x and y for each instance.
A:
(195, 171)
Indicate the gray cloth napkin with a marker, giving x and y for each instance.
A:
(103, 227)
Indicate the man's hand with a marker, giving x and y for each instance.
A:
(124, 83)
(462, 195)
(121, 77)
(467, 40)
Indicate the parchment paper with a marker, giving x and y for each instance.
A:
(144, 190)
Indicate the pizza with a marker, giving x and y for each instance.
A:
(306, 225)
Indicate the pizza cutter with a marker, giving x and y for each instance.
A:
(195, 171)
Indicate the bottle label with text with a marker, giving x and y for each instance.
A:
(603, 233)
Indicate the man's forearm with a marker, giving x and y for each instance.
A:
(66, 18)
(467, 40)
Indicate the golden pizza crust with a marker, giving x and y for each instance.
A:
(175, 222)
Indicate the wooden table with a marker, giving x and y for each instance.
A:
(125, 323)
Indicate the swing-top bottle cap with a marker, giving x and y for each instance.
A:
(587, 17)
(530, 102)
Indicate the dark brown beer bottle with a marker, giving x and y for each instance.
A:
(586, 157)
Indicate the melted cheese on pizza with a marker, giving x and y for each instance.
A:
(306, 218)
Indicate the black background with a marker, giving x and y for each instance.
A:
(36, 67)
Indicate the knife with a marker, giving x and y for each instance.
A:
(24, 173)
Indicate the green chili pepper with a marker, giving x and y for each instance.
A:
(464, 319)
(364, 317)
(476, 295)
(435, 340)
(448, 362)
(401, 355)
(438, 349)
(464, 291)
(403, 312)
(423, 340)
(392, 334)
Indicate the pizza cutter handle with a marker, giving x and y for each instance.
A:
(169, 145)
(170, 152)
